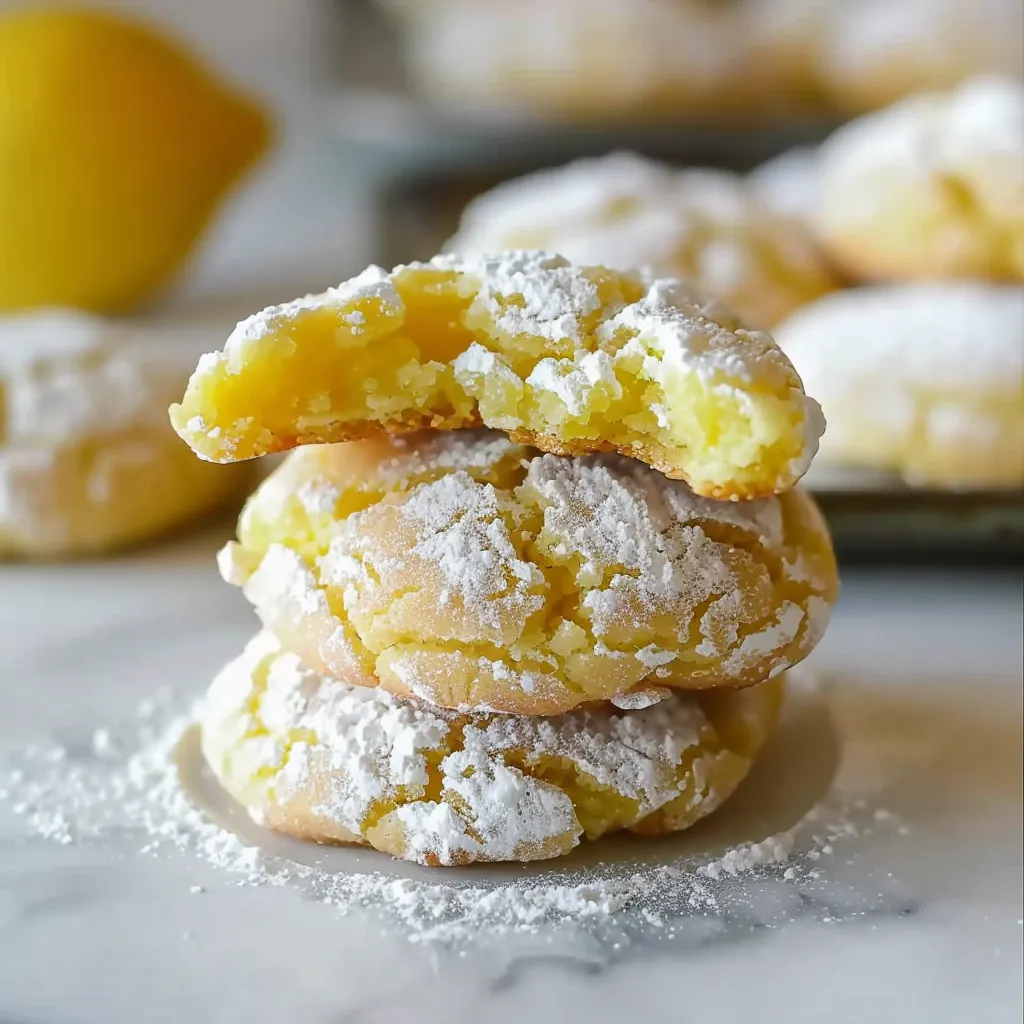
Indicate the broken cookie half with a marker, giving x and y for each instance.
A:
(569, 359)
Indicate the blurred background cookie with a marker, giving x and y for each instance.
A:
(874, 52)
(623, 211)
(88, 460)
(925, 379)
(576, 59)
(745, 59)
(930, 187)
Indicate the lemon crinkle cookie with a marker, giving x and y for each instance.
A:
(930, 187)
(570, 359)
(923, 379)
(623, 211)
(87, 461)
(320, 759)
(788, 183)
(576, 59)
(854, 57)
(471, 572)
(873, 52)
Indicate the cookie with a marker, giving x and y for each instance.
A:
(925, 379)
(783, 41)
(622, 211)
(575, 60)
(474, 573)
(874, 52)
(931, 187)
(570, 359)
(87, 460)
(319, 759)
(788, 183)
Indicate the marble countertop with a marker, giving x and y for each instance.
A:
(920, 922)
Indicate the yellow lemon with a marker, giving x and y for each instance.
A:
(115, 147)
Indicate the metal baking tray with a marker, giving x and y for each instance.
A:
(895, 523)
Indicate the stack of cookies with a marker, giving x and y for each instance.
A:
(487, 644)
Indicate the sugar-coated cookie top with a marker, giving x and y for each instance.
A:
(625, 211)
(461, 787)
(66, 375)
(523, 292)
(972, 132)
(932, 335)
(571, 357)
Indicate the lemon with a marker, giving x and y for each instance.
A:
(115, 148)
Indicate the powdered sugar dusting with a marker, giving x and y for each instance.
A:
(273, 730)
(130, 782)
(551, 296)
(478, 572)
(462, 534)
(373, 286)
(636, 700)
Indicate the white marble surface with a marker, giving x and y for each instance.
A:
(920, 923)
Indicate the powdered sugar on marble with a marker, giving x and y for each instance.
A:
(129, 782)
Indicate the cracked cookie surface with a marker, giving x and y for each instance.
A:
(474, 573)
(570, 359)
(320, 759)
